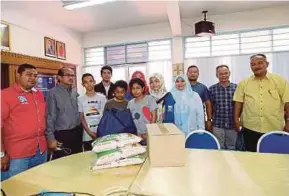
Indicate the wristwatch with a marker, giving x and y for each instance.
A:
(2, 154)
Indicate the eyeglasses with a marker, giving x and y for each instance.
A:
(69, 75)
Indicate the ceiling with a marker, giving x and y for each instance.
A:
(123, 14)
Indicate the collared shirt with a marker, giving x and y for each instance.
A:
(106, 87)
(23, 121)
(62, 110)
(202, 90)
(223, 105)
(263, 102)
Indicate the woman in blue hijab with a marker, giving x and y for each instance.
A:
(188, 107)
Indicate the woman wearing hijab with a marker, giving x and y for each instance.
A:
(158, 91)
(140, 75)
(187, 110)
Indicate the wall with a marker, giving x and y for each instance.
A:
(27, 37)
(263, 18)
(131, 34)
(248, 20)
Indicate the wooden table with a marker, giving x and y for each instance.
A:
(70, 174)
(207, 173)
(218, 173)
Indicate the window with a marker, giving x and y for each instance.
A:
(94, 56)
(225, 44)
(281, 39)
(115, 55)
(148, 57)
(137, 53)
(159, 50)
(95, 71)
(256, 41)
(275, 39)
(197, 46)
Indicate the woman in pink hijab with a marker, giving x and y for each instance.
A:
(140, 75)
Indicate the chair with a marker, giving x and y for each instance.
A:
(202, 139)
(274, 142)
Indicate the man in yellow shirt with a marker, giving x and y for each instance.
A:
(260, 102)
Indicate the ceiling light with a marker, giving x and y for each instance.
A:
(70, 5)
(205, 28)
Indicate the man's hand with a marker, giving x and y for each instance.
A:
(5, 162)
(53, 144)
(286, 128)
(237, 125)
(209, 125)
(92, 134)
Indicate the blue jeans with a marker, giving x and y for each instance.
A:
(19, 165)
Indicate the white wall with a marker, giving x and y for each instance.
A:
(125, 35)
(248, 20)
(262, 18)
(27, 37)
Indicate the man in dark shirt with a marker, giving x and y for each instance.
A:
(63, 122)
(202, 90)
(105, 87)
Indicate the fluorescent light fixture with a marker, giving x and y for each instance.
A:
(87, 3)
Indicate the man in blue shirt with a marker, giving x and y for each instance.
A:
(202, 90)
(221, 95)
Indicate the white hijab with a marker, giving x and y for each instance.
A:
(162, 90)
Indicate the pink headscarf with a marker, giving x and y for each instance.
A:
(140, 75)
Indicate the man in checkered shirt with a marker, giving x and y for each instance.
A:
(223, 108)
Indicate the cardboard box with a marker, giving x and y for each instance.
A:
(166, 145)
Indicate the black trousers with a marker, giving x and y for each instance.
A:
(71, 142)
(251, 139)
(87, 145)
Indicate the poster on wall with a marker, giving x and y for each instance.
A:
(61, 50)
(45, 83)
(5, 42)
(49, 47)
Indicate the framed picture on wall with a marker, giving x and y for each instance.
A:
(60, 50)
(5, 39)
(49, 47)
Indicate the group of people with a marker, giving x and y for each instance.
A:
(66, 123)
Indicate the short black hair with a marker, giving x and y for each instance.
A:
(61, 71)
(192, 66)
(86, 75)
(107, 68)
(121, 84)
(220, 66)
(25, 66)
(136, 81)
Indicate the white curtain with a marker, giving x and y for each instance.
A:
(239, 66)
(280, 64)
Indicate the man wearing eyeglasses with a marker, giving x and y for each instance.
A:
(63, 122)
